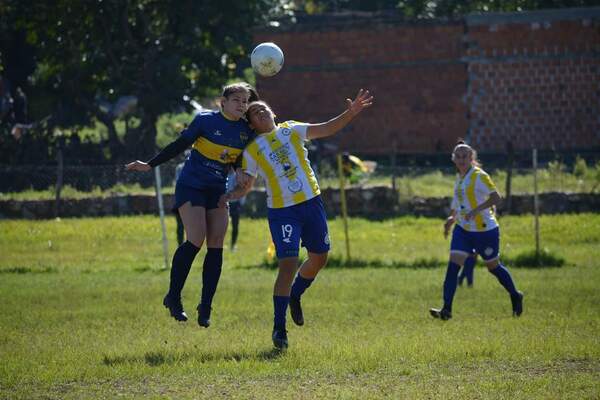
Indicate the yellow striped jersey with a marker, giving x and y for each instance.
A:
(281, 159)
(470, 191)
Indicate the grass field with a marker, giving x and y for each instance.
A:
(81, 317)
(424, 183)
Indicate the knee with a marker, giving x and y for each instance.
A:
(492, 264)
(319, 260)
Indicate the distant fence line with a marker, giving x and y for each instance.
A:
(370, 202)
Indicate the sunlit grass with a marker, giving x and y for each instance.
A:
(81, 317)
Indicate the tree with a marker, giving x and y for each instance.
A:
(91, 53)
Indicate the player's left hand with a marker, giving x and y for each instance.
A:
(223, 201)
(363, 100)
(242, 179)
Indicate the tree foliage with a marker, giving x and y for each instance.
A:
(94, 52)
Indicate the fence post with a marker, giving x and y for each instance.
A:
(161, 212)
(536, 208)
(59, 176)
(509, 170)
(393, 165)
(343, 200)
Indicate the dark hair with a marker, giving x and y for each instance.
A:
(460, 143)
(241, 87)
(254, 104)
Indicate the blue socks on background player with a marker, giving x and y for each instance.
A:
(467, 271)
(280, 305)
(505, 279)
(450, 284)
(300, 285)
(180, 268)
(211, 272)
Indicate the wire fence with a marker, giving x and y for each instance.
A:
(34, 182)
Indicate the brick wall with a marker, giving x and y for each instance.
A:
(533, 78)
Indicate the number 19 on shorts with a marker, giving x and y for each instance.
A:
(286, 231)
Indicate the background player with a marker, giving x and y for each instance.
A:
(476, 228)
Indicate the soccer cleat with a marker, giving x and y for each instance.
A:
(175, 308)
(203, 316)
(442, 314)
(280, 340)
(296, 311)
(517, 304)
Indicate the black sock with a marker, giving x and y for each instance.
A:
(211, 273)
(182, 262)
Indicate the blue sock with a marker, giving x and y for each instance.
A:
(300, 285)
(180, 268)
(505, 279)
(450, 284)
(468, 268)
(280, 305)
(211, 273)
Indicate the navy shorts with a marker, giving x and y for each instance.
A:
(486, 244)
(306, 221)
(207, 197)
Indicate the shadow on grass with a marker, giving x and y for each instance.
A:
(340, 262)
(527, 259)
(151, 269)
(157, 358)
(28, 270)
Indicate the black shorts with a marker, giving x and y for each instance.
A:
(207, 197)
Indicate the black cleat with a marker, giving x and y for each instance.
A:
(203, 316)
(280, 340)
(517, 304)
(175, 308)
(442, 314)
(296, 311)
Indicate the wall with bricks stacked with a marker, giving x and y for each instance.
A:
(532, 78)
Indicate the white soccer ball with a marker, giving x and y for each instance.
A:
(266, 59)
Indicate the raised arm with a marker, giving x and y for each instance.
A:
(354, 107)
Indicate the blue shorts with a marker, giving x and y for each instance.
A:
(306, 221)
(207, 197)
(486, 244)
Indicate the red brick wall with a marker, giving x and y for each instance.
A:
(535, 82)
(533, 78)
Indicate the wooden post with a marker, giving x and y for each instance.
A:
(393, 165)
(161, 212)
(59, 176)
(343, 200)
(536, 208)
(509, 170)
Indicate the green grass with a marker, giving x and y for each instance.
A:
(81, 317)
(424, 183)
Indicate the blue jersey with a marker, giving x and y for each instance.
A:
(218, 142)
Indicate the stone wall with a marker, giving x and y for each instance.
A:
(372, 202)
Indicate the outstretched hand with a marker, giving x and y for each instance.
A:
(363, 100)
(138, 165)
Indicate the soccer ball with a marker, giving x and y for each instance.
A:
(266, 59)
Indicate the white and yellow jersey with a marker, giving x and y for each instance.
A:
(282, 160)
(470, 191)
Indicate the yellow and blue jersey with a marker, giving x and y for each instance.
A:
(218, 142)
(470, 191)
(281, 158)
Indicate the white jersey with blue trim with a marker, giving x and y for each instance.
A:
(470, 191)
(281, 158)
